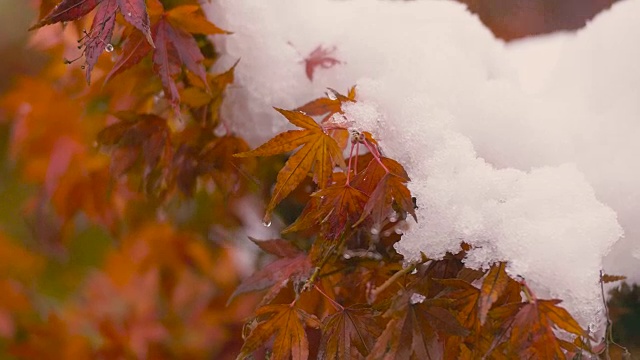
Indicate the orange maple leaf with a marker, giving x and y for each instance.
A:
(384, 180)
(416, 330)
(319, 153)
(349, 333)
(329, 105)
(286, 324)
(531, 329)
(492, 287)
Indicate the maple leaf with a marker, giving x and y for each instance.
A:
(330, 105)
(191, 19)
(137, 135)
(67, 10)
(319, 153)
(465, 301)
(205, 105)
(134, 50)
(493, 285)
(416, 329)
(292, 265)
(285, 323)
(229, 173)
(45, 7)
(215, 159)
(606, 278)
(185, 163)
(174, 47)
(339, 206)
(349, 333)
(134, 12)
(385, 182)
(531, 328)
(98, 38)
(319, 57)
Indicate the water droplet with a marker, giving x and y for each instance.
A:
(331, 95)
(220, 131)
(398, 231)
(266, 223)
(129, 13)
(393, 218)
(82, 67)
(302, 112)
(374, 230)
(108, 48)
(417, 298)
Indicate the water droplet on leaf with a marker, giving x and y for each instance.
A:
(108, 48)
(331, 95)
(417, 298)
(266, 223)
(220, 131)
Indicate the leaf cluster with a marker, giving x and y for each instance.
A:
(132, 190)
(353, 285)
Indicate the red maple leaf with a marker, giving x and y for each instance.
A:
(174, 47)
(292, 265)
(320, 57)
(96, 41)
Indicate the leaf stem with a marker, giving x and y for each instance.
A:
(307, 286)
(531, 297)
(349, 167)
(376, 292)
(355, 165)
(333, 302)
(376, 155)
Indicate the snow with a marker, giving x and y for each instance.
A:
(524, 151)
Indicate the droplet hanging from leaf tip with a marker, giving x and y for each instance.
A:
(266, 221)
(108, 48)
(331, 95)
(375, 230)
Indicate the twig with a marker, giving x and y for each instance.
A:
(375, 292)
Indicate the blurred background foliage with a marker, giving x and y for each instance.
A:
(29, 265)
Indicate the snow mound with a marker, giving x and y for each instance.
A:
(516, 168)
